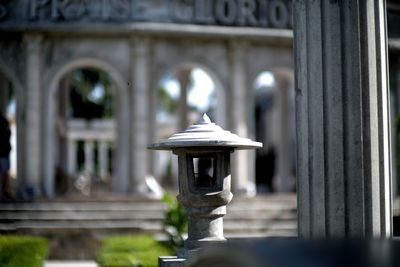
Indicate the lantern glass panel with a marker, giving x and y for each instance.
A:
(204, 172)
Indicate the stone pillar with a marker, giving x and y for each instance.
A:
(4, 90)
(103, 159)
(21, 136)
(184, 82)
(152, 111)
(121, 157)
(140, 119)
(238, 116)
(283, 165)
(72, 155)
(62, 119)
(33, 115)
(343, 133)
(89, 156)
(396, 110)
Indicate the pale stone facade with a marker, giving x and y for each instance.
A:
(136, 55)
(136, 43)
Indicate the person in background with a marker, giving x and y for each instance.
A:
(5, 148)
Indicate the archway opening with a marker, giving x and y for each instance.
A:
(85, 132)
(274, 126)
(183, 95)
(8, 153)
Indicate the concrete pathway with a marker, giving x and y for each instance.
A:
(70, 264)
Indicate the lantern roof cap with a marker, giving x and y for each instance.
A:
(205, 133)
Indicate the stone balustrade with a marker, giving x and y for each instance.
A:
(95, 133)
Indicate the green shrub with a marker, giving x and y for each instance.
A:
(175, 221)
(27, 251)
(131, 251)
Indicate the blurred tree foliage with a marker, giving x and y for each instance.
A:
(91, 93)
(167, 103)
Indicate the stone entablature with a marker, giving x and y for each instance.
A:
(252, 13)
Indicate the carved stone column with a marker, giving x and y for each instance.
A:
(103, 159)
(344, 179)
(184, 81)
(72, 156)
(4, 87)
(283, 165)
(33, 115)
(238, 116)
(61, 121)
(89, 157)
(394, 67)
(139, 126)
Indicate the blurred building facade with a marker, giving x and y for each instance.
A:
(140, 46)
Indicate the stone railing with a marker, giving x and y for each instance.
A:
(92, 133)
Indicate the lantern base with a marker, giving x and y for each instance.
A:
(171, 261)
(193, 245)
(191, 248)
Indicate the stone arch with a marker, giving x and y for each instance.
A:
(284, 71)
(18, 87)
(120, 183)
(285, 74)
(10, 74)
(284, 86)
(221, 116)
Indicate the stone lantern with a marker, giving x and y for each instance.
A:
(204, 151)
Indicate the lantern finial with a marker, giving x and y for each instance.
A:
(204, 119)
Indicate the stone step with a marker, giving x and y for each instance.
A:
(70, 264)
(262, 215)
(145, 225)
(148, 225)
(229, 226)
(261, 234)
(77, 206)
(73, 225)
(236, 206)
(83, 215)
(133, 215)
(256, 226)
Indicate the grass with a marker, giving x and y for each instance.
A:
(131, 250)
(26, 251)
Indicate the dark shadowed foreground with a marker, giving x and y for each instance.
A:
(292, 252)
